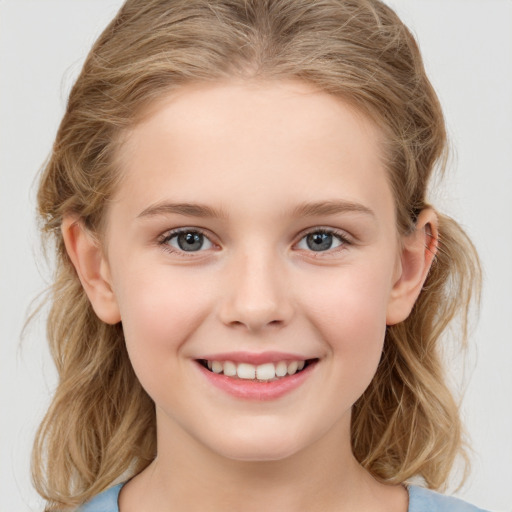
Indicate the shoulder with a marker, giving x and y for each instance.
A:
(425, 500)
(104, 502)
(420, 500)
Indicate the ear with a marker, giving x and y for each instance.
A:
(92, 268)
(418, 251)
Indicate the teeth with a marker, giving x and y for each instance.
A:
(292, 367)
(229, 369)
(265, 372)
(217, 367)
(246, 371)
(281, 369)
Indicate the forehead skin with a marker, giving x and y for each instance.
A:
(237, 124)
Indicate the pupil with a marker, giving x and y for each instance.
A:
(190, 241)
(319, 241)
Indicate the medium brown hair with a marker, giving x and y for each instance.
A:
(101, 423)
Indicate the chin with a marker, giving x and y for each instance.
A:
(258, 448)
(259, 454)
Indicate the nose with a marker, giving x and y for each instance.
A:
(256, 294)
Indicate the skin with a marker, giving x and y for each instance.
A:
(254, 153)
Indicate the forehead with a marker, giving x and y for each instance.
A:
(291, 109)
(209, 140)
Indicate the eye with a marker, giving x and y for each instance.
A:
(187, 240)
(321, 240)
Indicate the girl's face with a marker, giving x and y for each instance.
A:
(254, 233)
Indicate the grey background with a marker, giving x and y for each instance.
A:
(467, 46)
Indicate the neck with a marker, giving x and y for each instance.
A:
(323, 477)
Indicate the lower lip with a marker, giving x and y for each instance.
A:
(254, 390)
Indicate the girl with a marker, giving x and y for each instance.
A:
(251, 285)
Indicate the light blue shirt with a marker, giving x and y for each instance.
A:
(420, 500)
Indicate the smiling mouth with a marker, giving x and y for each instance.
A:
(267, 372)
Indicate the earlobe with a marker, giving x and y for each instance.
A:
(417, 255)
(92, 268)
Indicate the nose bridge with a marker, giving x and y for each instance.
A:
(258, 294)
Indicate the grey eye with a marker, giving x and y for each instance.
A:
(320, 241)
(189, 241)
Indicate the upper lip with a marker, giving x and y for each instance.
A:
(255, 358)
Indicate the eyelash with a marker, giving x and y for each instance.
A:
(169, 235)
(164, 240)
(336, 234)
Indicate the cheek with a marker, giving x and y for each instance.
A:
(159, 311)
(349, 311)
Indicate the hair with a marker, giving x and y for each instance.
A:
(100, 426)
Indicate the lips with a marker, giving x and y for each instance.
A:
(264, 376)
(263, 372)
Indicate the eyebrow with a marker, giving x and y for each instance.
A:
(330, 208)
(187, 209)
(302, 210)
